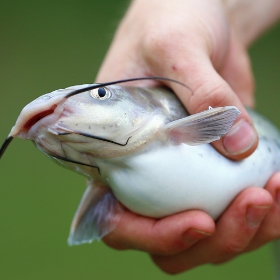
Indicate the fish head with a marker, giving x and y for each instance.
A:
(113, 113)
(102, 122)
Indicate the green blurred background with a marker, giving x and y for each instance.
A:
(45, 45)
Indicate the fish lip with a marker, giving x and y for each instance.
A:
(39, 116)
(43, 106)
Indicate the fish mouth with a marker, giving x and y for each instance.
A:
(23, 131)
(36, 118)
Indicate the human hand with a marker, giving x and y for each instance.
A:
(194, 43)
(185, 240)
(203, 45)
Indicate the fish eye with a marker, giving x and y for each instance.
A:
(101, 93)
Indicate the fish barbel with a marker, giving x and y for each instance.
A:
(139, 146)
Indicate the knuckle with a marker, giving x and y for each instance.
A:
(165, 243)
(217, 96)
(164, 249)
(160, 42)
(231, 247)
(161, 250)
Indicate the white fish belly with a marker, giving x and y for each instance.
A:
(171, 179)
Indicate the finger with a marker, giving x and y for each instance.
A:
(168, 235)
(234, 230)
(193, 66)
(254, 204)
(270, 227)
(209, 89)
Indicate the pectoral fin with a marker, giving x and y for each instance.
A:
(95, 216)
(204, 127)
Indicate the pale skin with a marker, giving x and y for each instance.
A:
(204, 45)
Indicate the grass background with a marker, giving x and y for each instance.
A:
(45, 45)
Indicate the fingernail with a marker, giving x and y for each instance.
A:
(255, 215)
(240, 138)
(193, 235)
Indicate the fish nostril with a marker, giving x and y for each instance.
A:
(38, 117)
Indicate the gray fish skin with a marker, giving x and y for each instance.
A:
(139, 146)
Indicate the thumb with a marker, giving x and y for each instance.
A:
(210, 89)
